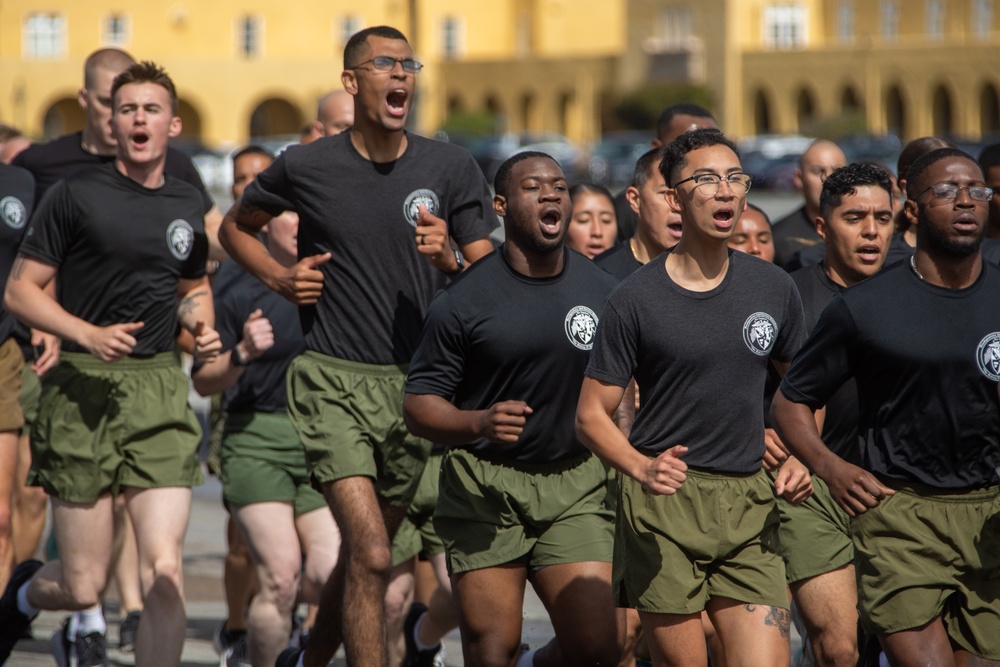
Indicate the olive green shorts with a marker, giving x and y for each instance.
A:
(102, 427)
(489, 514)
(263, 461)
(923, 554)
(416, 533)
(31, 393)
(715, 537)
(11, 366)
(349, 417)
(814, 537)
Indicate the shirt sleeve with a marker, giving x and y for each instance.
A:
(438, 365)
(470, 211)
(271, 191)
(52, 229)
(613, 357)
(793, 331)
(826, 360)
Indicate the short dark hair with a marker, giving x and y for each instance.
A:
(675, 153)
(8, 132)
(253, 149)
(914, 149)
(918, 172)
(501, 182)
(763, 213)
(356, 44)
(989, 157)
(645, 165)
(681, 109)
(146, 72)
(846, 181)
(109, 58)
(591, 188)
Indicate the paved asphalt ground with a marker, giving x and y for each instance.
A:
(203, 557)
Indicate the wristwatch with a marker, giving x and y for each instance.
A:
(460, 261)
(237, 358)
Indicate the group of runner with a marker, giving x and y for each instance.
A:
(382, 364)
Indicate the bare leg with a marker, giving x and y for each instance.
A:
(828, 604)
(237, 578)
(126, 561)
(675, 640)
(928, 645)
(442, 613)
(28, 516)
(398, 598)
(360, 577)
(752, 635)
(8, 471)
(160, 518)
(269, 531)
(589, 630)
(490, 603)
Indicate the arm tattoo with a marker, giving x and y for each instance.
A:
(189, 303)
(777, 617)
(624, 415)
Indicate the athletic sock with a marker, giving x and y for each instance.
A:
(22, 602)
(89, 621)
(416, 635)
(527, 659)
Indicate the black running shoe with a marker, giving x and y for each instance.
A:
(127, 631)
(414, 657)
(288, 658)
(89, 650)
(14, 624)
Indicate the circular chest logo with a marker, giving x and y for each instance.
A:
(180, 239)
(759, 332)
(581, 326)
(988, 356)
(13, 212)
(423, 197)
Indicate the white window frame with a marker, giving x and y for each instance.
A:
(44, 36)
(457, 24)
(674, 25)
(934, 18)
(241, 33)
(845, 21)
(346, 26)
(888, 18)
(108, 38)
(982, 18)
(785, 26)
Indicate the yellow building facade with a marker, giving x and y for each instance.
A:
(258, 67)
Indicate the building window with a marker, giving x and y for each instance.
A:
(452, 37)
(674, 26)
(845, 21)
(115, 30)
(347, 26)
(889, 20)
(44, 36)
(982, 18)
(785, 26)
(934, 18)
(249, 36)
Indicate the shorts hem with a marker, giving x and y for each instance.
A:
(815, 572)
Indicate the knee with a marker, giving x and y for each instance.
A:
(374, 558)
(5, 523)
(280, 585)
(589, 652)
(490, 652)
(84, 593)
(31, 501)
(397, 599)
(833, 651)
(164, 574)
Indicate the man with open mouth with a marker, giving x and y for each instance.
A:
(922, 342)
(697, 328)
(378, 208)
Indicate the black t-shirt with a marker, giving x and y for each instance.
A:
(120, 249)
(840, 427)
(64, 156)
(619, 261)
(900, 250)
(700, 358)
(261, 388)
(495, 335)
(377, 286)
(926, 360)
(17, 197)
(791, 234)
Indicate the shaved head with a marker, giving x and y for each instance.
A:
(335, 112)
(113, 60)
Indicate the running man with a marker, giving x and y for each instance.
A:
(922, 341)
(128, 246)
(497, 376)
(376, 208)
(697, 328)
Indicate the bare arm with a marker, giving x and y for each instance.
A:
(300, 283)
(854, 489)
(215, 377)
(433, 241)
(196, 313)
(597, 430)
(437, 419)
(27, 299)
(213, 220)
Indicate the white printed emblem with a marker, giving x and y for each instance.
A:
(988, 356)
(759, 332)
(416, 199)
(180, 239)
(581, 326)
(13, 212)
